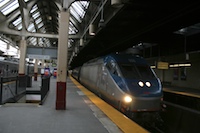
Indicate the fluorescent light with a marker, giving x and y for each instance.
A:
(180, 65)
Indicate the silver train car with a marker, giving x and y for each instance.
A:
(124, 80)
(9, 68)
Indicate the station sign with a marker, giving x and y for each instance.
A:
(33, 56)
(162, 65)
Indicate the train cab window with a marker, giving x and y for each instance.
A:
(112, 67)
(136, 71)
(145, 72)
(129, 71)
(7, 67)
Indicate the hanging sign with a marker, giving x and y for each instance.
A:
(162, 65)
(33, 56)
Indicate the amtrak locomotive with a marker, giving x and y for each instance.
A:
(125, 80)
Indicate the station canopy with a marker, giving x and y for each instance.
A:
(34, 17)
(99, 27)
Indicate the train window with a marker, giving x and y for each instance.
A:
(129, 71)
(7, 67)
(108, 66)
(136, 71)
(112, 67)
(145, 71)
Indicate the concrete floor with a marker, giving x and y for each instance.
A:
(81, 115)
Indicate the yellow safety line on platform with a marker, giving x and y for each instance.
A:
(123, 122)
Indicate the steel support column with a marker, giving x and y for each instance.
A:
(23, 47)
(62, 60)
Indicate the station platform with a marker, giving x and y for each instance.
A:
(85, 113)
(182, 91)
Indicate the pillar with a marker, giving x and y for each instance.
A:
(62, 60)
(35, 69)
(22, 56)
(42, 68)
(43, 65)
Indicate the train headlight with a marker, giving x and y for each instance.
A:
(141, 84)
(148, 84)
(127, 99)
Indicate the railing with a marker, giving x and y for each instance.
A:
(12, 88)
(44, 89)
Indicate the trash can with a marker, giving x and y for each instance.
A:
(29, 81)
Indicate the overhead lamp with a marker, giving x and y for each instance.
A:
(49, 17)
(92, 29)
(81, 42)
(116, 3)
(101, 23)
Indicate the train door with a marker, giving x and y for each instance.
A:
(7, 70)
(113, 74)
(1, 69)
(102, 82)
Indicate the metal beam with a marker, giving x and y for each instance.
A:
(94, 18)
(24, 14)
(41, 35)
(67, 3)
(6, 30)
(2, 17)
(17, 12)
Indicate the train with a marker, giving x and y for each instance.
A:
(10, 68)
(124, 80)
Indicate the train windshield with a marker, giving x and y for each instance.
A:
(136, 71)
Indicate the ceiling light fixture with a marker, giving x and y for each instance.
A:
(92, 29)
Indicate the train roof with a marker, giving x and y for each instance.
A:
(126, 58)
(119, 57)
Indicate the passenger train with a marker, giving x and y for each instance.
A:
(10, 67)
(124, 80)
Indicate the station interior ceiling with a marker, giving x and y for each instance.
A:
(157, 28)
